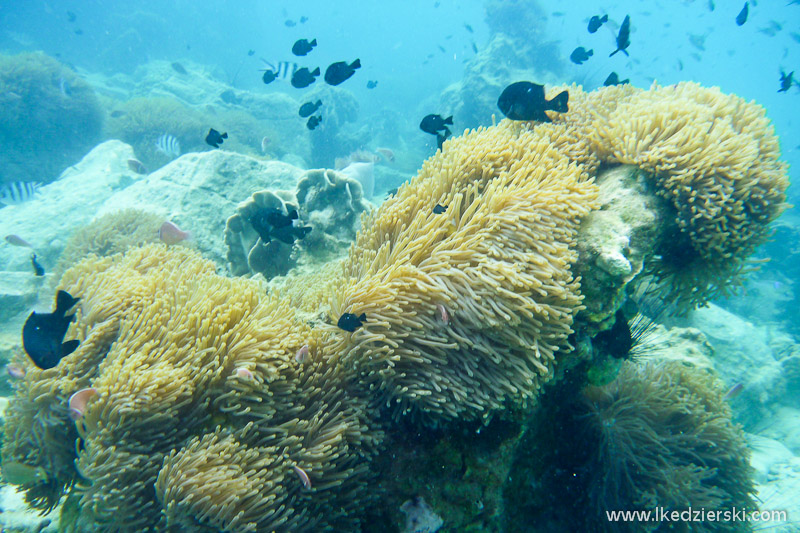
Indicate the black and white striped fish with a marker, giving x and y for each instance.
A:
(18, 192)
(282, 69)
(169, 145)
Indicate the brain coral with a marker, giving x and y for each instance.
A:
(202, 412)
(467, 309)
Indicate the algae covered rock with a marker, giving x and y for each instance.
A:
(49, 117)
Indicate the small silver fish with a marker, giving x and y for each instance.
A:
(16, 240)
(264, 145)
(734, 391)
(137, 166)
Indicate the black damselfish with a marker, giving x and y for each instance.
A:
(595, 22)
(613, 79)
(623, 37)
(350, 322)
(43, 333)
(438, 209)
(434, 124)
(215, 138)
(302, 47)
(303, 78)
(270, 223)
(786, 81)
(309, 108)
(313, 122)
(340, 71)
(38, 270)
(371, 84)
(741, 18)
(269, 76)
(580, 54)
(524, 100)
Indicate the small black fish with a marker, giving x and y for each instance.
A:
(786, 81)
(442, 137)
(270, 222)
(38, 270)
(309, 108)
(580, 55)
(613, 79)
(269, 76)
(433, 124)
(117, 113)
(313, 122)
(439, 209)
(595, 22)
(79, 32)
(43, 333)
(303, 20)
(215, 138)
(524, 100)
(303, 46)
(392, 192)
(71, 16)
(290, 24)
(251, 53)
(371, 84)
(303, 77)
(469, 28)
(617, 340)
(340, 71)
(711, 5)
(350, 322)
(442, 49)
(741, 18)
(178, 68)
(623, 37)
(474, 47)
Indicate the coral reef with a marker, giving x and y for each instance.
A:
(49, 117)
(660, 435)
(202, 418)
(482, 280)
(247, 252)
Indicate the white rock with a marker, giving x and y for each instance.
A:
(199, 191)
(64, 205)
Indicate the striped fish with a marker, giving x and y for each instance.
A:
(18, 192)
(168, 145)
(283, 69)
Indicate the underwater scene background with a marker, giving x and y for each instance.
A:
(483, 266)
